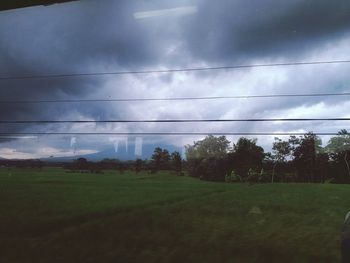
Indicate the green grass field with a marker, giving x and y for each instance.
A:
(53, 216)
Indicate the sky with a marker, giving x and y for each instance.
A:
(91, 36)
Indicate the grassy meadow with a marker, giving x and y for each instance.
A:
(53, 216)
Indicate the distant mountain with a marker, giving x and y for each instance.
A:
(122, 153)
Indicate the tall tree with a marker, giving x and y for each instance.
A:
(339, 148)
(210, 147)
(157, 157)
(305, 150)
(161, 158)
(206, 159)
(246, 155)
(165, 160)
(176, 161)
(281, 150)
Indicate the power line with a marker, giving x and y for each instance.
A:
(168, 133)
(176, 99)
(172, 121)
(46, 76)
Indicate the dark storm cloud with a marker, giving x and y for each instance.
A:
(94, 36)
(78, 37)
(72, 36)
(226, 30)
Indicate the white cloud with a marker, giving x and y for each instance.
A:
(44, 152)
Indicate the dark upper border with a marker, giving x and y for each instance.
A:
(14, 4)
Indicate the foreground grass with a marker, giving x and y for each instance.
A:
(52, 216)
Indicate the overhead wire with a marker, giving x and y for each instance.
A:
(84, 74)
(167, 133)
(172, 120)
(155, 99)
(173, 99)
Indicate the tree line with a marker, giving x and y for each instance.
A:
(296, 159)
(161, 159)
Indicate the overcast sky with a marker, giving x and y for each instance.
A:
(116, 35)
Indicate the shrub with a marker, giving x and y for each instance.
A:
(253, 176)
(212, 169)
(264, 177)
(233, 178)
(193, 167)
(181, 174)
